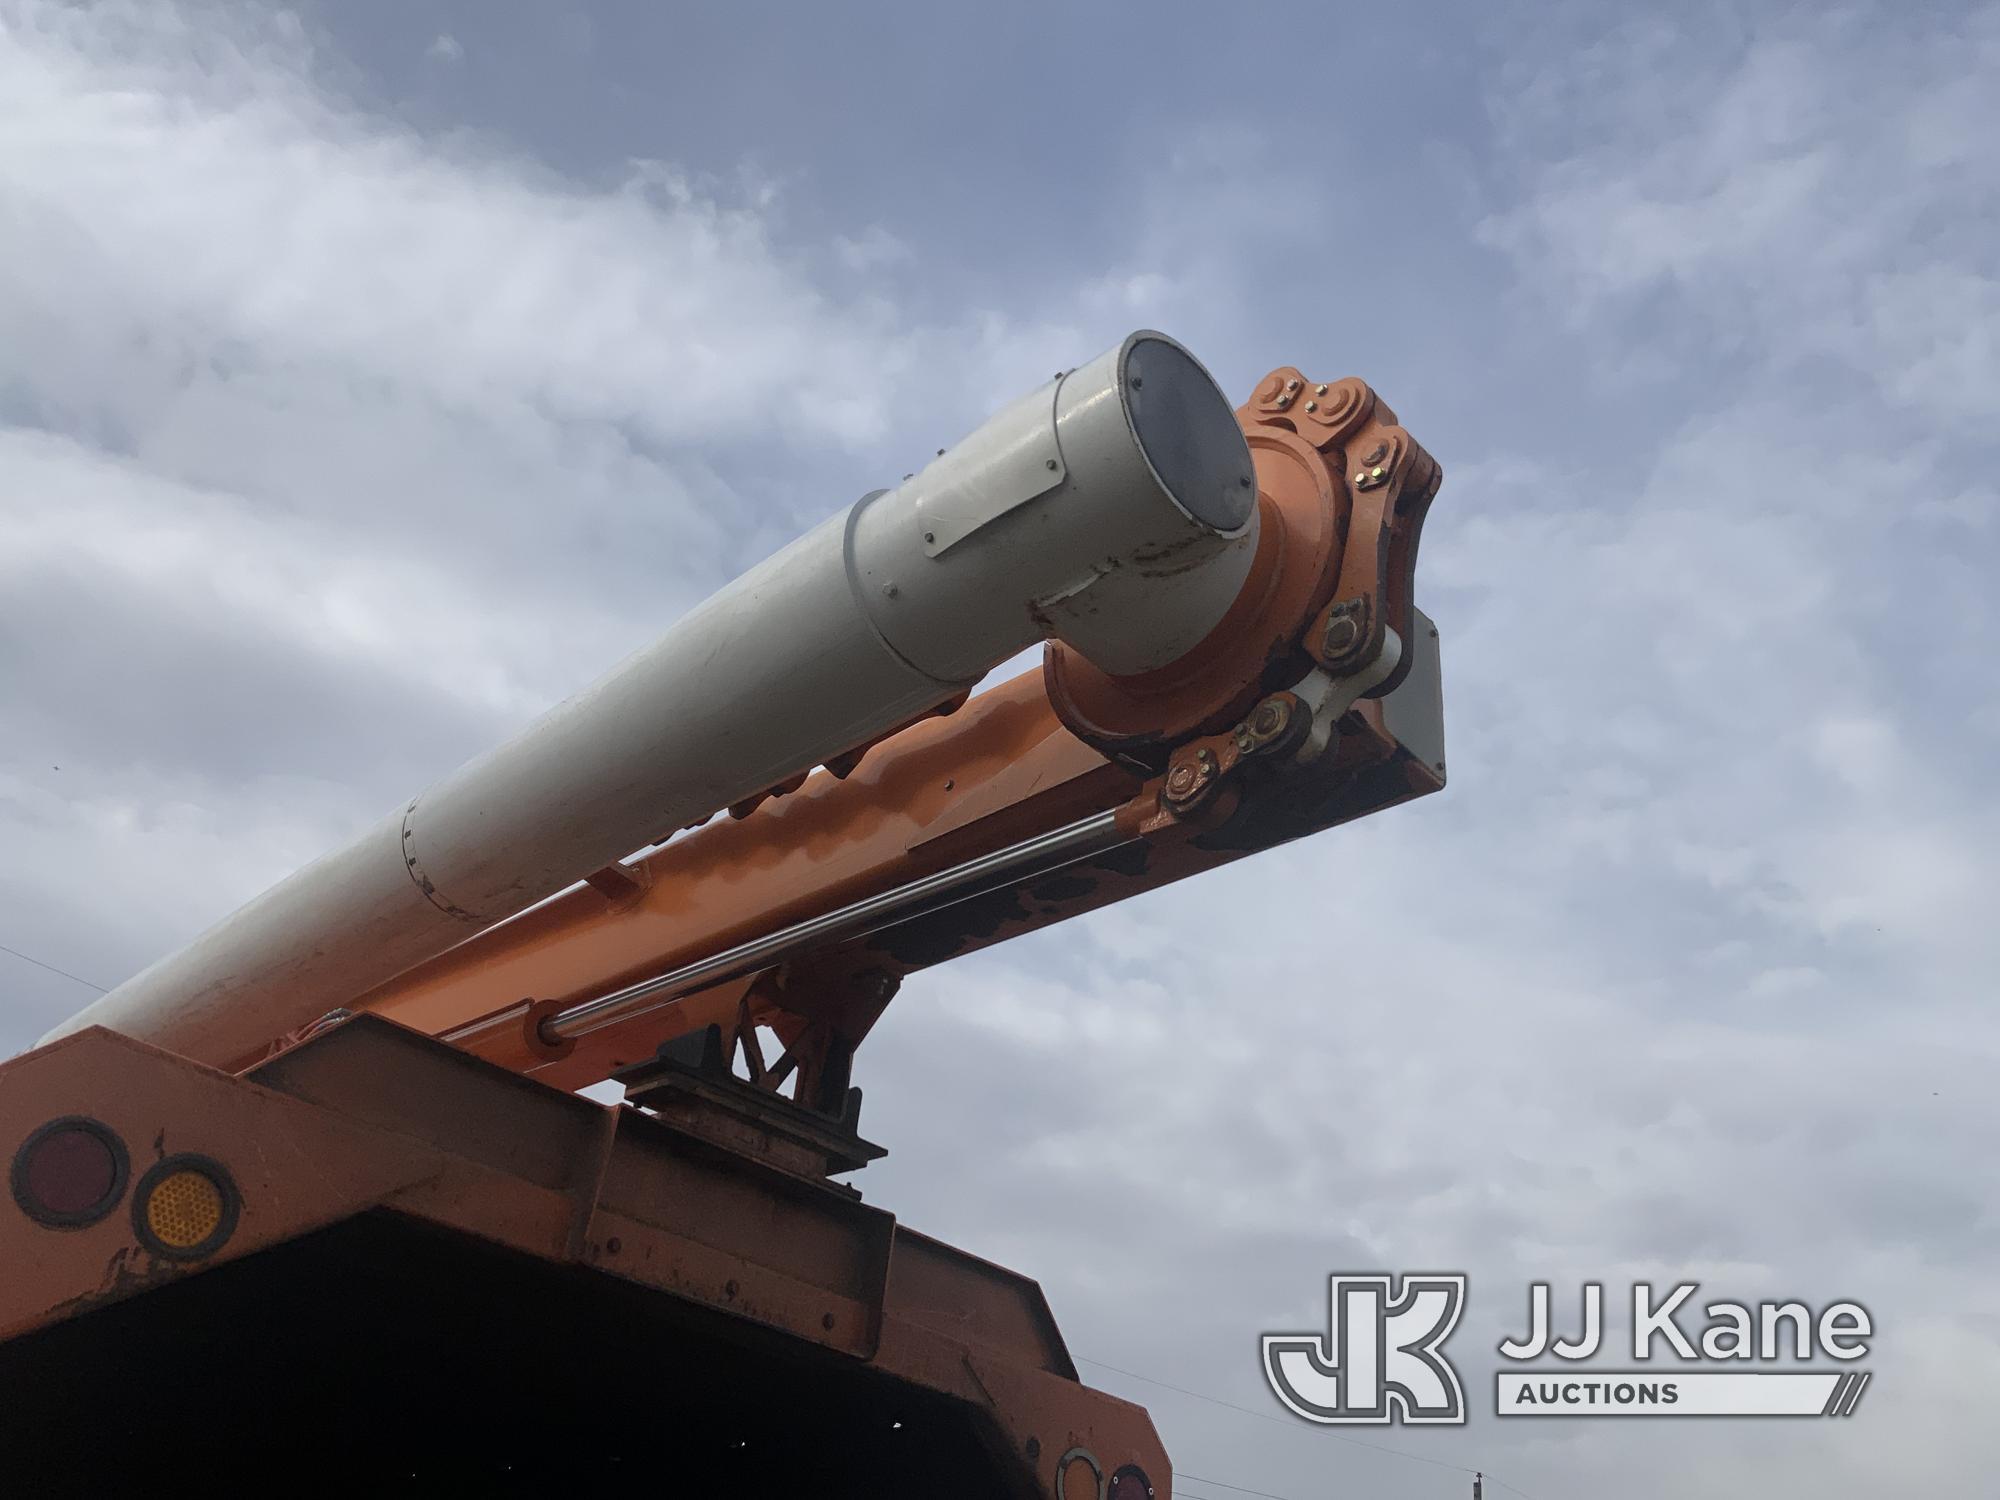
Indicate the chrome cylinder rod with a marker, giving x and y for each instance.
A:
(1037, 856)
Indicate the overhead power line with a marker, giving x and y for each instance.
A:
(73, 978)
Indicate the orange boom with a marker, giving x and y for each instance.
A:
(324, 1174)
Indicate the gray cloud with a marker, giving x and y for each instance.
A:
(340, 438)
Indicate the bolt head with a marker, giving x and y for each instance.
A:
(1341, 634)
(1312, 406)
(1319, 390)
(1049, 463)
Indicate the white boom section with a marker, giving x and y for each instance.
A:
(1114, 509)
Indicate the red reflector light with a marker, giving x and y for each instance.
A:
(1129, 1483)
(70, 1173)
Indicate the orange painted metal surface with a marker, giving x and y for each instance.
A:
(370, 1118)
(1342, 494)
(998, 770)
(1026, 756)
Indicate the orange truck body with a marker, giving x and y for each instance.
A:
(398, 1246)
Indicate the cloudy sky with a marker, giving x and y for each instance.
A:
(373, 374)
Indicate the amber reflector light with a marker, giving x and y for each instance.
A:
(185, 1207)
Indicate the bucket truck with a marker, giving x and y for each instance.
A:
(315, 1201)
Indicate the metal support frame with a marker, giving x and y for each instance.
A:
(367, 1118)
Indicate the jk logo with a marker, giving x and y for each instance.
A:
(1381, 1359)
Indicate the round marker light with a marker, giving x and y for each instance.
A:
(70, 1173)
(185, 1208)
(1129, 1483)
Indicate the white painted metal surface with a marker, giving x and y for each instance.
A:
(1129, 549)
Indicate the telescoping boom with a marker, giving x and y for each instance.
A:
(1113, 509)
(336, 1144)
